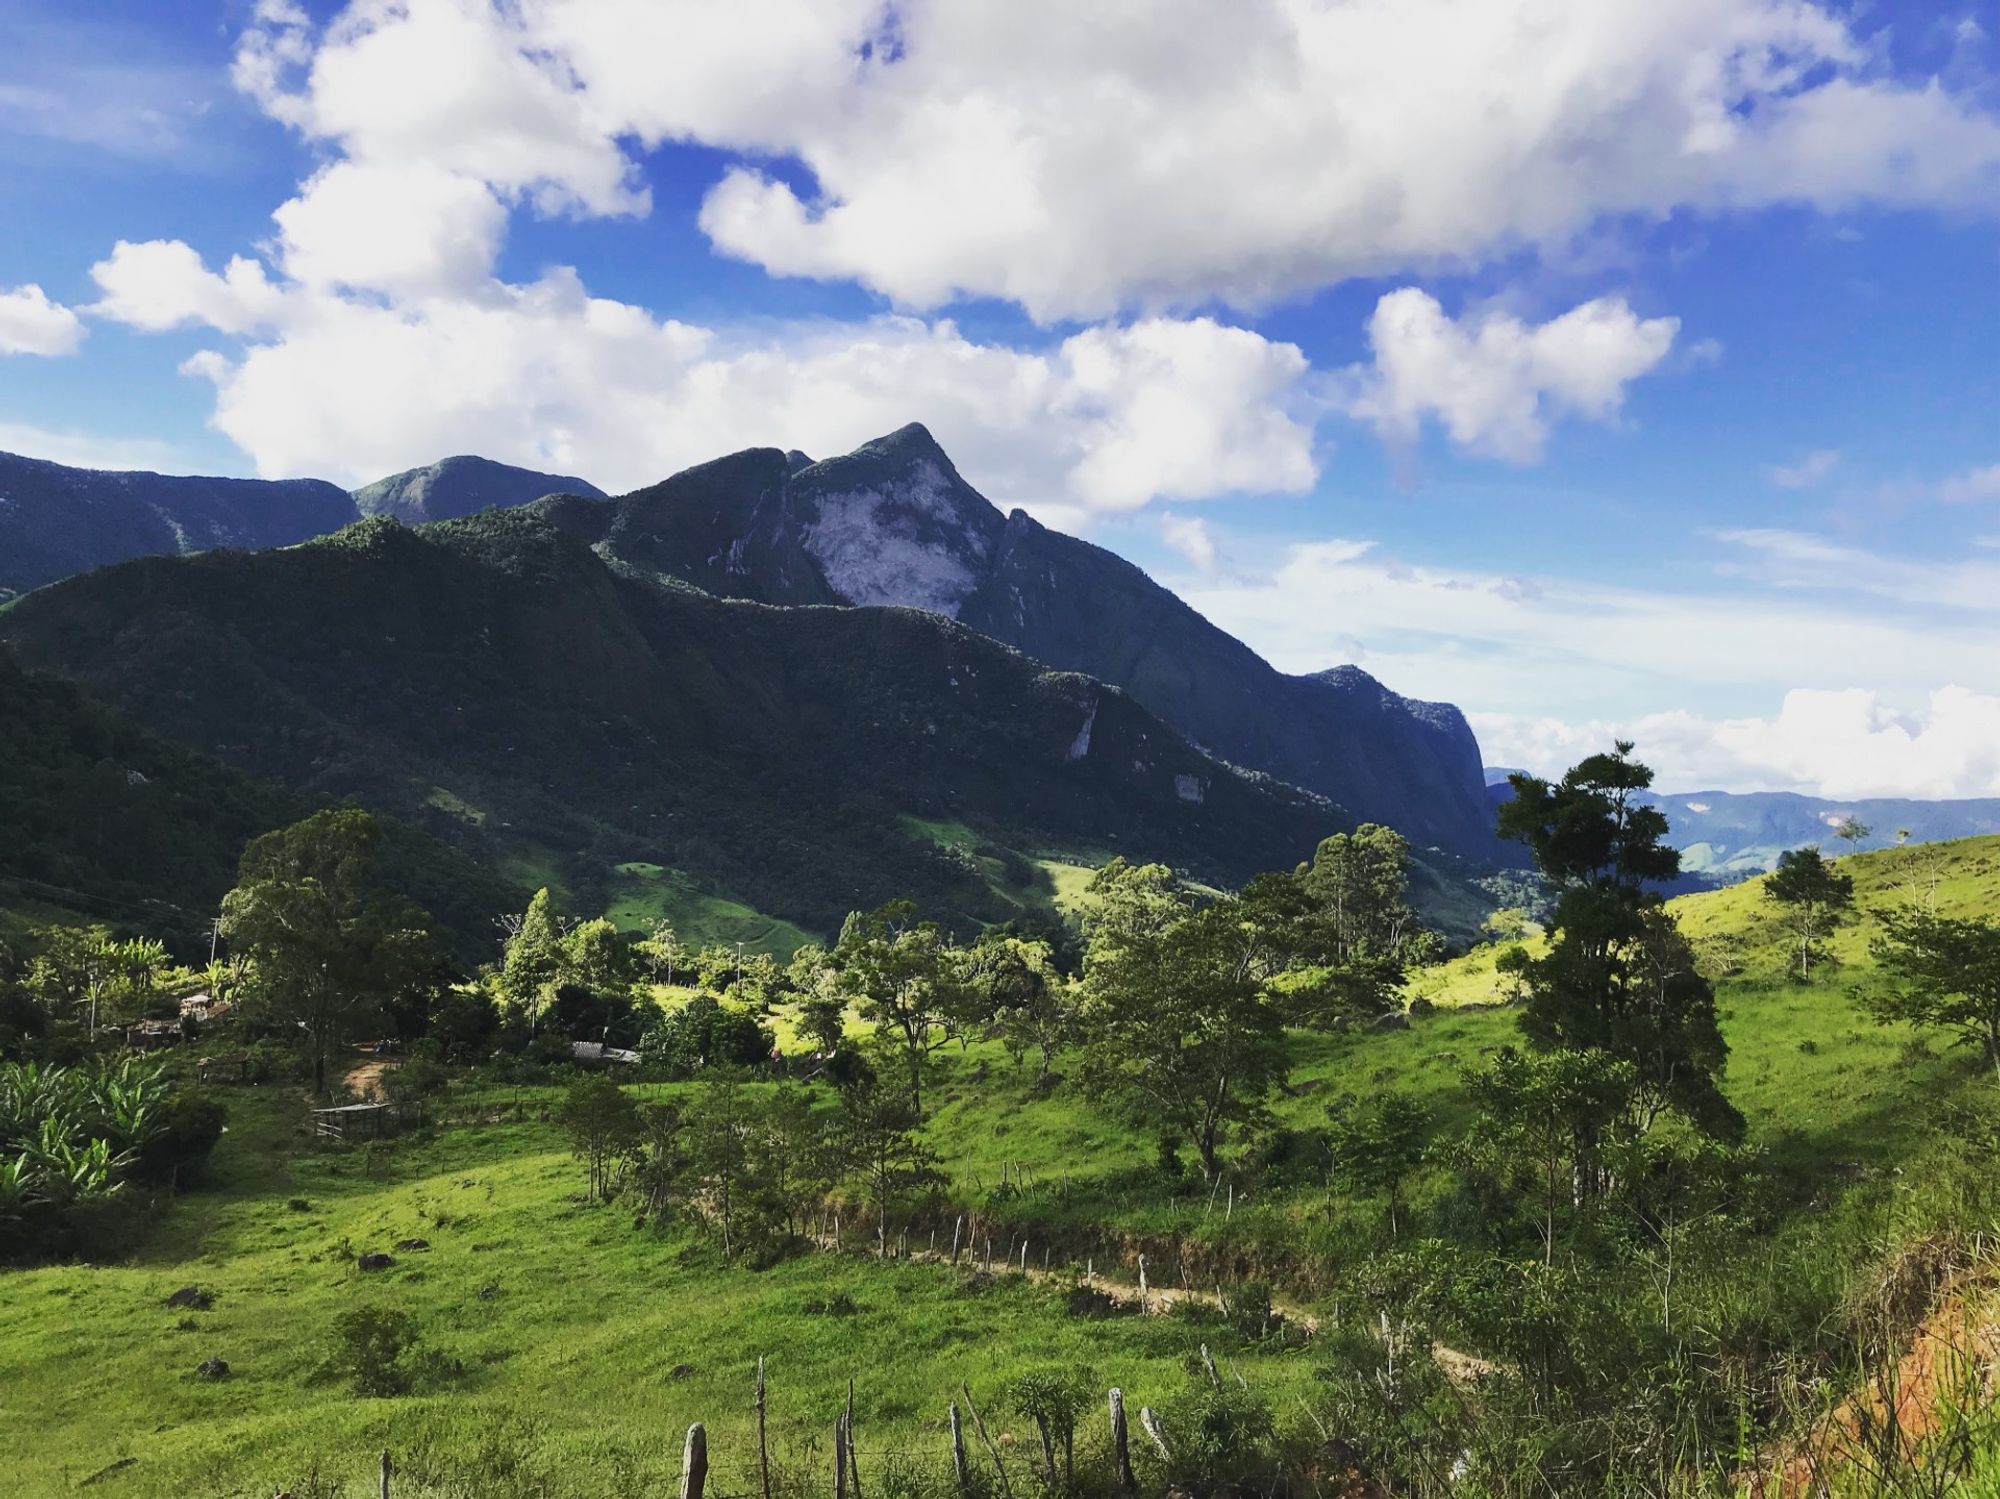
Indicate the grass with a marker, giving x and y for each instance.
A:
(589, 1345)
(598, 1342)
(643, 894)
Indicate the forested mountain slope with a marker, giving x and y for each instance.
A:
(497, 682)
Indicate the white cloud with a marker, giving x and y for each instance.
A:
(161, 283)
(1845, 743)
(1190, 536)
(1973, 484)
(1494, 381)
(89, 450)
(409, 228)
(1074, 158)
(546, 375)
(1808, 472)
(31, 324)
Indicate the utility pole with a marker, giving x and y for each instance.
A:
(739, 961)
(214, 937)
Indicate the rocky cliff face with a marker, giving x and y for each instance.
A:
(56, 520)
(894, 523)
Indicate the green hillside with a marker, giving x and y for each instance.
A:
(508, 691)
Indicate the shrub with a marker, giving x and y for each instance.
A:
(702, 1033)
(371, 1345)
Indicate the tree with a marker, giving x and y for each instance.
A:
(331, 947)
(822, 1001)
(1808, 887)
(1019, 988)
(531, 965)
(1547, 1115)
(878, 1140)
(661, 952)
(1615, 978)
(901, 972)
(1852, 831)
(77, 968)
(1179, 1030)
(1944, 973)
(602, 1124)
(1376, 1149)
(1054, 1398)
(702, 1034)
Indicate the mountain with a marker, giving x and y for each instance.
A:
(464, 485)
(1732, 835)
(894, 523)
(56, 520)
(108, 818)
(509, 689)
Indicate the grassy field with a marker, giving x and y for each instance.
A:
(588, 1345)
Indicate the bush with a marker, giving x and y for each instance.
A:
(377, 1350)
(702, 1033)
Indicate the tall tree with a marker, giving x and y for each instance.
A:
(1813, 894)
(1853, 832)
(330, 945)
(901, 972)
(1180, 1032)
(1615, 978)
(532, 964)
(1377, 1147)
(1944, 973)
(602, 1123)
(1020, 990)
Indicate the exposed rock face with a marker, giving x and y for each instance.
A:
(894, 523)
(464, 485)
(56, 520)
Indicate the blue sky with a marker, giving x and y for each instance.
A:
(1602, 367)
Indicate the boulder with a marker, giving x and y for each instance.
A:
(212, 1368)
(1395, 1020)
(413, 1243)
(377, 1261)
(192, 1298)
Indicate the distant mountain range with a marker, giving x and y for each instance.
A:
(56, 521)
(892, 523)
(500, 684)
(1732, 835)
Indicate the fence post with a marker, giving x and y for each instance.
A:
(763, 1450)
(840, 1457)
(958, 1466)
(853, 1463)
(979, 1425)
(1209, 1364)
(694, 1462)
(1142, 1284)
(386, 1470)
(1151, 1422)
(954, 1237)
(1121, 1448)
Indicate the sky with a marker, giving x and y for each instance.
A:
(1608, 368)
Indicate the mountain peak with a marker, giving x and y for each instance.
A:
(463, 484)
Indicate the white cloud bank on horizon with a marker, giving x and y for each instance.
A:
(1842, 744)
(1072, 159)
(32, 324)
(1518, 652)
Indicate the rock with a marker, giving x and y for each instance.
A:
(193, 1297)
(413, 1243)
(1421, 1007)
(1395, 1020)
(212, 1368)
(680, 1371)
(375, 1261)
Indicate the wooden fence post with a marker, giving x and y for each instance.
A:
(853, 1463)
(979, 1425)
(1151, 1422)
(1121, 1447)
(1142, 1283)
(840, 1457)
(763, 1450)
(1209, 1364)
(960, 1224)
(958, 1465)
(694, 1462)
(386, 1469)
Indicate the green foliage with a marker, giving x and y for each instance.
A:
(1376, 1149)
(1813, 892)
(702, 1034)
(602, 1123)
(72, 1140)
(1055, 1398)
(903, 975)
(1178, 1031)
(1944, 973)
(1618, 976)
(332, 947)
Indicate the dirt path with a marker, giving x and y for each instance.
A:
(364, 1079)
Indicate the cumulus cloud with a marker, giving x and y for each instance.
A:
(31, 324)
(1493, 381)
(1190, 536)
(1071, 158)
(1846, 743)
(547, 375)
(1809, 472)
